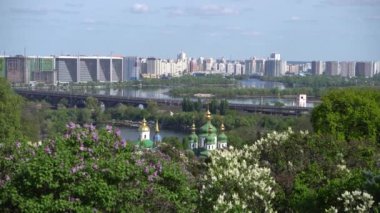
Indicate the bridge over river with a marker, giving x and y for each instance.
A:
(54, 97)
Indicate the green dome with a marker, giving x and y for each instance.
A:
(193, 137)
(146, 143)
(205, 128)
(210, 139)
(222, 137)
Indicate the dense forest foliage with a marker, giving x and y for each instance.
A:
(82, 168)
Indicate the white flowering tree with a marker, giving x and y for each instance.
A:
(354, 201)
(236, 181)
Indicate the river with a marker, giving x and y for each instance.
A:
(163, 93)
(257, 83)
(132, 134)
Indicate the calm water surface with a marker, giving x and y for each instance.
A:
(163, 93)
(132, 134)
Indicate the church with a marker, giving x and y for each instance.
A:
(207, 140)
(144, 140)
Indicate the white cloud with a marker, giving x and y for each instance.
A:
(295, 18)
(216, 10)
(175, 11)
(140, 8)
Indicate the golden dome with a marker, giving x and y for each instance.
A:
(144, 127)
(193, 127)
(208, 115)
(222, 128)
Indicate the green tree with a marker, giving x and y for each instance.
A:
(89, 170)
(198, 105)
(187, 105)
(349, 114)
(173, 141)
(223, 107)
(152, 107)
(92, 103)
(10, 112)
(213, 106)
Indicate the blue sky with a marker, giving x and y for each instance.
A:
(237, 29)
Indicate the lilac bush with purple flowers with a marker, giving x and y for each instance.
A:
(91, 170)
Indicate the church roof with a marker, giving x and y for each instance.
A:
(146, 143)
(143, 144)
(222, 137)
(205, 128)
(193, 137)
(144, 126)
(208, 125)
(210, 139)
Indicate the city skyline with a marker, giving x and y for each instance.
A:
(236, 29)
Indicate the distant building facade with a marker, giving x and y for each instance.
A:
(89, 68)
(364, 69)
(332, 68)
(317, 67)
(274, 68)
(16, 70)
(131, 68)
(347, 69)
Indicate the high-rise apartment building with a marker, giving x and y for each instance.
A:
(332, 68)
(131, 68)
(194, 66)
(41, 69)
(230, 68)
(222, 68)
(89, 68)
(260, 67)
(275, 56)
(376, 67)
(347, 69)
(238, 69)
(293, 69)
(250, 66)
(16, 70)
(67, 69)
(153, 67)
(364, 69)
(207, 64)
(274, 68)
(317, 67)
